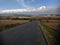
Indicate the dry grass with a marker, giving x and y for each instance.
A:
(50, 28)
(6, 24)
(9, 22)
(51, 23)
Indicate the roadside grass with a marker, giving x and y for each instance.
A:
(6, 24)
(49, 33)
(50, 30)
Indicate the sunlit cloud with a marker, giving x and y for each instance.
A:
(25, 10)
(42, 9)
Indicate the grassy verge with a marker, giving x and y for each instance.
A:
(49, 33)
(8, 26)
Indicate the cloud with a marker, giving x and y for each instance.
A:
(23, 10)
(41, 9)
(22, 3)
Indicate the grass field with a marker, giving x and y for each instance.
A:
(6, 24)
(50, 29)
(52, 23)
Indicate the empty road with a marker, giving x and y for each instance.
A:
(26, 34)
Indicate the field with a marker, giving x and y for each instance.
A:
(6, 24)
(51, 30)
(52, 23)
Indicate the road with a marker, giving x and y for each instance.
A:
(27, 34)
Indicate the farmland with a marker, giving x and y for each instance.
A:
(6, 24)
(50, 27)
(52, 23)
(9, 22)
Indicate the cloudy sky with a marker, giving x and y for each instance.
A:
(41, 6)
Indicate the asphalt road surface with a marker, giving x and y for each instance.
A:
(27, 34)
